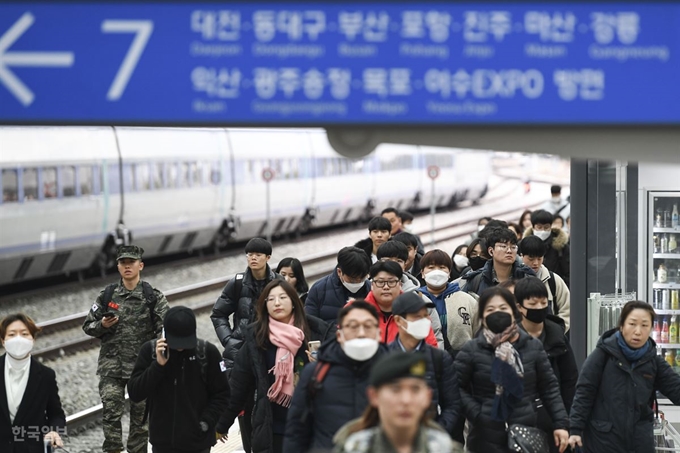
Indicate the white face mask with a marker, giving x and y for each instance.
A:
(360, 349)
(19, 347)
(480, 227)
(542, 235)
(436, 278)
(460, 260)
(353, 287)
(408, 228)
(419, 329)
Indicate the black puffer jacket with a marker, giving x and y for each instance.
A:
(477, 281)
(445, 392)
(563, 363)
(313, 421)
(473, 365)
(328, 296)
(242, 306)
(250, 377)
(612, 408)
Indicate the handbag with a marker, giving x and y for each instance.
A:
(526, 439)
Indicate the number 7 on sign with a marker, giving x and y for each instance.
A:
(143, 30)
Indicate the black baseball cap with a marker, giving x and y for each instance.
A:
(397, 365)
(180, 328)
(411, 302)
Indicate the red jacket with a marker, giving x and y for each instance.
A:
(389, 330)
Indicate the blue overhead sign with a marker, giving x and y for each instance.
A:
(343, 63)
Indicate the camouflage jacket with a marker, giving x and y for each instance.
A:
(121, 342)
(428, 440)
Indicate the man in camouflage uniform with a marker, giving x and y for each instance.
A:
(124, 324)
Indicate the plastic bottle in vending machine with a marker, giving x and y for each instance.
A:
(656, 332)
(677, 363)
(673, 330)
(670, 357)
(675, 300)
(662, 274)
(672, 244)
(664, 331)
(674, 217)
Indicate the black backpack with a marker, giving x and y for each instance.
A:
(553, 293)
(149, 296)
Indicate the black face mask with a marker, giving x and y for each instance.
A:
(536, 315)
(498, 321)
(477, 262)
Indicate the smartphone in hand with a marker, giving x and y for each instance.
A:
(165, 350)
(314, 347)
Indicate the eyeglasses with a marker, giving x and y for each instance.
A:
(506, 247)
(354, 328)
(382, 283)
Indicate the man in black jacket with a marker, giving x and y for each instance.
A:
(503, 265)
(183, 380)
(557, 256)
(332, 391)
(238, 298)
(378, 233)
(411, 315)
(347, 281)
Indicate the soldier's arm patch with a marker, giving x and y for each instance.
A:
(94, 307)
(223, 366)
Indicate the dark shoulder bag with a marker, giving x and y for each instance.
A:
(527, 439)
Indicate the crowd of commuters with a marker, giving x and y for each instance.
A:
(394, 350)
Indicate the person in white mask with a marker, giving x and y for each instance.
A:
(411, 315)
(332, 391)
(456, 308)
(40, 418)
(557, 256)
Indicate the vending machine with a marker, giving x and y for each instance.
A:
(660, 270)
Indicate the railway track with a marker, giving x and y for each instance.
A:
(322, 262)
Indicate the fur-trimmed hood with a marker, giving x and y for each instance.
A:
(560, 239)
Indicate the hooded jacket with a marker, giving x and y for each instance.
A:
(612, 409)
(242, 306)
(475, 282)
(314, 419)
(557, 256)
(178, 398)
(473, 366)
(327, 296)
(389, 329)
(251, 377)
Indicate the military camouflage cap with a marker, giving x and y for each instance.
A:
(397, 365)
(130, 251)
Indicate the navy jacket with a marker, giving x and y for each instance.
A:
(329, 295)
(473, 366)
(612, 408)
(445, 393)
(313, 421)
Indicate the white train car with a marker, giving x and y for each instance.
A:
(72, 194)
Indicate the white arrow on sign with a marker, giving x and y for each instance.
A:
(35, 59)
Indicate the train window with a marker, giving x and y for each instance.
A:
(30, 183)
(128, 178)
(171, 182)
(85, 179)
(113, 176)
(215, 173)
(157, 174)
(68, 181)
(49, 182)
(142, 176)
(10, 186)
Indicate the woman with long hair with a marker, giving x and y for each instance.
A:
(501, 373)
(525, 221)
(291, 270)
(274, 352)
